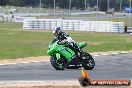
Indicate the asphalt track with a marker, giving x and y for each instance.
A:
(107, 67)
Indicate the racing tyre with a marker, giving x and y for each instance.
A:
(88, 62)
(57, 66)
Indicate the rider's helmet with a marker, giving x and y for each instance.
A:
(57, 31)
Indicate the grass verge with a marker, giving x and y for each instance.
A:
(18, 43)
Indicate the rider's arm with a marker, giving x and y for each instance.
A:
(67, 38)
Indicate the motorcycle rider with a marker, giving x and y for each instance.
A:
(63, 37)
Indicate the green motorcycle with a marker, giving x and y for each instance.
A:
(61, 54)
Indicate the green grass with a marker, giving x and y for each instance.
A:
(16, 42)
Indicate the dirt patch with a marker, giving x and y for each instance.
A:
(41, 84)
(52, 84)
(27, 59)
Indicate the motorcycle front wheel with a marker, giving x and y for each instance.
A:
(89, 62)
(57, 66)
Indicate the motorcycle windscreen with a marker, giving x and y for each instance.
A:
(67, 52)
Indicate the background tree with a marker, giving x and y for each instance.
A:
(64, 4)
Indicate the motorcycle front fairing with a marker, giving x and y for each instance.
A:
(57, 50)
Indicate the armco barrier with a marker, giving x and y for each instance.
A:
(76, 25)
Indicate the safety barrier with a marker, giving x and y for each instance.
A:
(76, 25)
(129, 29)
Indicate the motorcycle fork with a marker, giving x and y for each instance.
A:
(57, 56)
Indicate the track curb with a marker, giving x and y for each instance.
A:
(95, 54)
(109, 53)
